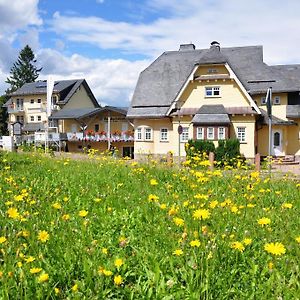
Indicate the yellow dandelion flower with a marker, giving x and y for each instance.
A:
(104, 251)
(83, 213)
(195, 243)
(56, 291)
(178, 252)
(74, 288)
(13, 213)
(19, 198)
(178, 221)
(56, 205)
(35, 270)
(107, 272)
(29, 259)
(43, 278)
(1, 274)
(275, 248)
(119, 262)
(43, 236)
(234, 209)
(3, 239)
(118, 280)
(270, 265)
(237, 246)
(19, 264)
(247, 241)
(298, 239)
(264, 221)
(153, 198)
(66, 217)
(213, 204)
(287, 205)
(163, 206)
(201, 214)
(172, 211)
(153, 182)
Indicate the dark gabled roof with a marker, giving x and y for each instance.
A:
(65, 88)
(160, 83)
(80, 113)
(211, 114)
(33, 127)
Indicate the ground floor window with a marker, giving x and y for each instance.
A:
(200, 133)
(241, 134)
(163, 134)
(210, 133)
(148, 134)
(184, 137)
(221, 133)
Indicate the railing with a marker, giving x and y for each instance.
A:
(15, 109)
(78, 136)
(37, 107)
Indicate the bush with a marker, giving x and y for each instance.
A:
(194, 147)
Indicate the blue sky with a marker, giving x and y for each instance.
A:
(110, 42)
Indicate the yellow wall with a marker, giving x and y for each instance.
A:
(277, 110)
(230, 94)
(204, 70)
(80, 99)
(293, 135)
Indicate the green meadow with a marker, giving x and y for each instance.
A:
(116, 229)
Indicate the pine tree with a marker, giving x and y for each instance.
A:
(3, 115)
(23, 70)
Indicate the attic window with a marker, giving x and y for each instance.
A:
(212, 71)
(276, 100)
(212, 91)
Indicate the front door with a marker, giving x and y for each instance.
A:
(277, 142)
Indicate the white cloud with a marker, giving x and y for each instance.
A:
(111, 80)
(100, 1)
(18, 13)
(230, 22)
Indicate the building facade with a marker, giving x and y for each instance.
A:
(215, 94)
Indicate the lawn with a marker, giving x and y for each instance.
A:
(113, 229)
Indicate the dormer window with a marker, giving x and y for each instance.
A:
(212, 91)
(276, 100)
(212, 71)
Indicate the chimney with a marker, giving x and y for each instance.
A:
(187, 47)
(215, 45)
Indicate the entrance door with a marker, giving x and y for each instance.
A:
(277, 142)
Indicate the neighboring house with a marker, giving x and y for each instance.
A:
(103, 129)
(216, 93)
(27, 105)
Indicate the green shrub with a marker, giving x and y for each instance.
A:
(194, 147)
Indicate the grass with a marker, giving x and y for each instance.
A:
(122, 230)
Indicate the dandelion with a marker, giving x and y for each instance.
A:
(213, 204)
(195, 243)
(29, 259)
(56, 291)
(153, 182)
(35, 270)
(201, 214)
(287, 205)
(74, 288)
(43, 278)
(107, 272)
(163, 206)
(298, 239)
(275, 248)
(178, 252)
(119, 262)
(66, 217)
(56, 205)
(3, 239)
(13, 213)
(247, 241)
(237, 246)
(153, 198)
(104, 251)
(118, 280)
(83, 213)
(178, 221)
(264, 221)
(43, 236)
(19, 264)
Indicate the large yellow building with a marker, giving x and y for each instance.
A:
(214, 94)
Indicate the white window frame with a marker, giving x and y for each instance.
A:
(221, 136)
(208, 133)
(39, 100)
(148, 133)
(276, 100)
(31, 118)
(263, 100)
(241, 134)
(184, 137)
(31, 101)
(200, 133)
(139, 134)
(215, 91)
(39, 118)
(164, 135)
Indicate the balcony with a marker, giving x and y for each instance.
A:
(78, 136)
(14, 109)
(36, 107)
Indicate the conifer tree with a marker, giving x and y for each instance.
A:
(23, 70)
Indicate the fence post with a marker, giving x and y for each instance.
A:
(211, 158)
(257, 162)
(170, 158)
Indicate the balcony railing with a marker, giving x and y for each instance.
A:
(12, 109)
(78, 136)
